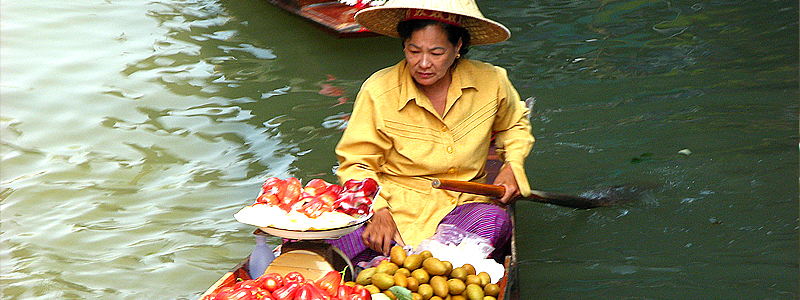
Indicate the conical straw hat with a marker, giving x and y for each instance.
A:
(465, 13)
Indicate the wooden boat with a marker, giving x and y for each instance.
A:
(317, 250)
(332, 16)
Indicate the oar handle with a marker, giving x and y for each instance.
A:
(535, 196)
(469, 187)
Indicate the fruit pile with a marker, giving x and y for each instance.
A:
(318, 196)
(425, 277)
(292, 286)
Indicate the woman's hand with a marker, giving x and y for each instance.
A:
(506, 179)
(380, 231)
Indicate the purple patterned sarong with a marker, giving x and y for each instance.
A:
(484, 219)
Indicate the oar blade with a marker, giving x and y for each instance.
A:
(565, 200)
(611, 196)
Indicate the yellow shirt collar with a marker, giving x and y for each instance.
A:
(409, 91)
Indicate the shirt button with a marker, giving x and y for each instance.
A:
(444, 128)
(451, 170)
(449, 149)
(453, 201)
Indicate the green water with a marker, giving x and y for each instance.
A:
(133, 130)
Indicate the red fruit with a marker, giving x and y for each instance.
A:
(316, 185)
(270, 182)
(310, 291)
(224, 293)
(292, 191)
(293, 181)
(255, 293)
(288, 291)
(369, 186)
(362, 209)
(294, 276)
(263, 294)
(305, 194)
(274, 186)
(311, 191)
(359, 293)
(351, 185)
(362, 200)
(335, 188)
(270, 199)
(285, 207)
(297, 206)
(344, 199)
(361, 4)
(245, 284)
(343, 291)
(270, 282)
(358, 193)
(330, 282)
(329, 198)
(230, 293)
(315, 208)
(316, 182)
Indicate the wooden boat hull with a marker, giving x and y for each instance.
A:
(332, 16)
(509, 286)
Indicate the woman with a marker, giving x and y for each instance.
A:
(433, 115)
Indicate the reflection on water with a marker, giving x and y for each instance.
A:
(126, 150)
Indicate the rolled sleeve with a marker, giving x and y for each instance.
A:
(513, 136)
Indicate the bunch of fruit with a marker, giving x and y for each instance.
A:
(424, 277)
(293, 286)
(318, 196)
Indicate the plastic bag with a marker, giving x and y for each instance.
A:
(449, 238)
(380, 258)
(460, 247)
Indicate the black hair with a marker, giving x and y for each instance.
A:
(454, 33)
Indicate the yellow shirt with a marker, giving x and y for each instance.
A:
(396, 137)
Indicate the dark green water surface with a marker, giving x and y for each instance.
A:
(132, 131)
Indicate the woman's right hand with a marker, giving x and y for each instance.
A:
(380, 231)
(506, 179)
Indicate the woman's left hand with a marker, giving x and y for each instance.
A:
(506, 179)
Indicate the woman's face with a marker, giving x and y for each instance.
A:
(429, 55)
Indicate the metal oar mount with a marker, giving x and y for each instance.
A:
(536, 196)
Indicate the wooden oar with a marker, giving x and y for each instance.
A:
(536, 196)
